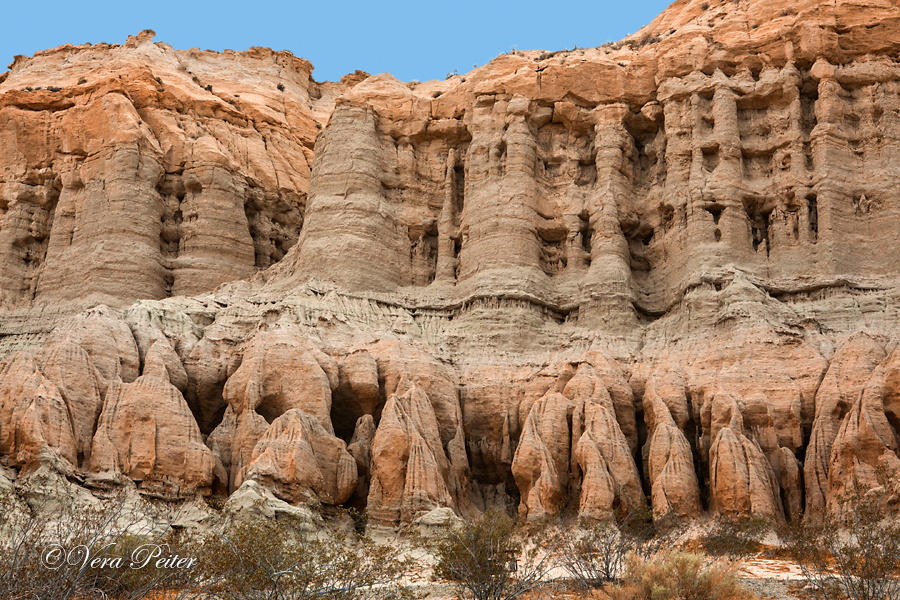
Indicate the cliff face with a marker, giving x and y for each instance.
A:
(661, 268)
(137, 171)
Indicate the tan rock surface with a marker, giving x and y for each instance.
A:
(541, 462)
(671, 256)
(742, 481)
(410, 473)
(668, 455)
(299, 458)
(842, 386)
(34, 417)
(610, 477)
(867, 448)
(147, 433)
(220, 163)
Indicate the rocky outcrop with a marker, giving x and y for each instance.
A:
(609, 476)
(410, 472)
(220, 165)
(34, 418)
(742, 481)
(866, 450)
(147, 433)
(299, 458)
(541, 463)
(556, 283)
(838, 393)
(668, 455)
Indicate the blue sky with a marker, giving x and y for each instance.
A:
(412, 40)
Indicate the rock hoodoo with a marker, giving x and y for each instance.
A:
(658, 269)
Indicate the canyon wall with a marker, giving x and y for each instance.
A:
(658, 271)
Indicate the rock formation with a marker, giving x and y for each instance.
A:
(663, 268)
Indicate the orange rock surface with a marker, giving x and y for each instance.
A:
(565, 281)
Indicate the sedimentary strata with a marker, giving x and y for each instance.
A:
(659, 270)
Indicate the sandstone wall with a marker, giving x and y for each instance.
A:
(660, 269)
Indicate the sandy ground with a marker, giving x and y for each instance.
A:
(769, 578)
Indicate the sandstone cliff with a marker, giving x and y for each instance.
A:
(663, 268)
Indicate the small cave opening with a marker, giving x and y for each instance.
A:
(423, 251)
(639, 235)
(759, 229)
(498, 158)
(206, 401)
(269, 409)
(586, 235)
(716, 211)
(587, 173)
(460, 191)
(759, 214)
(346, 411)
(642, 435)
(701, 468)
(169, 279)
(813, 211)
(809, 95)
(586, 240)
(553, 251)
(711, 158)
(274, 224)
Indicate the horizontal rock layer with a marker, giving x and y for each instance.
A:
(660, 270)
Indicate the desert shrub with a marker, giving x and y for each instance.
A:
(678, 575)
(486, 559)
(737, 538)
(57, 549)
(858, 559)
(595, 555)
(280, 87)
(272, 559)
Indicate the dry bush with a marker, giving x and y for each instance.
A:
(597, 554)
(856, 560)
(738, 538)
(480, 558)
(678, 575)
(279, 559)
(47, 552)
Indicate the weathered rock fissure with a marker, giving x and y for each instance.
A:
(658, 271)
